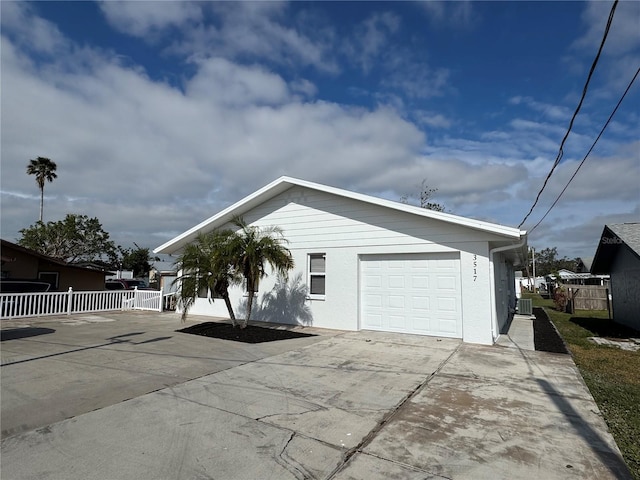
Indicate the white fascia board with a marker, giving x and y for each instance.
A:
(284, 183)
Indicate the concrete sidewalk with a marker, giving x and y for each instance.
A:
(359, 405)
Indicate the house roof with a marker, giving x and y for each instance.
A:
(284, 183)
(33, 253)
(613, 238)
(163, 266)
(586, 261)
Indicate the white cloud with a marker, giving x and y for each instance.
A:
(219, 81)
(29, 31)
(254, 30)
(432, 119)
(552, 112)
(147, 19)
(147, 157)
(370, 39)
(620, 58)
(458, 14)
(150, 159)
(623, 36)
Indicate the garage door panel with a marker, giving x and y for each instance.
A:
(447, 326)
(420, 303)
(372, 281)
(396, 301)
(419, 281)
(446, 305)
(412, 293)
(396, 281)
(373, 320)
(398, 322)
(374, 300)
(422, 325)
(446, 283)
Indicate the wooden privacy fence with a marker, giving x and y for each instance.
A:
(589, 297)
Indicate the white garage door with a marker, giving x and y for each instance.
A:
(412, 293)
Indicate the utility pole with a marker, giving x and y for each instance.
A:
(533, 255)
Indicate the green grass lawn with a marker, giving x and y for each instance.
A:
(612, 374)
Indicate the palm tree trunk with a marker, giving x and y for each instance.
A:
(232, 315)
(249, 307)
(41, 202)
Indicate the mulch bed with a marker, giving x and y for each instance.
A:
(545, 336)
(250, 334)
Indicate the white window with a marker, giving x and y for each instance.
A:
(317, 274)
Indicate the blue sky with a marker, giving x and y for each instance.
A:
(159, 114)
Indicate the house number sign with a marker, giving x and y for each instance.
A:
(475, 267)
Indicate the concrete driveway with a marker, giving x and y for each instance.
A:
(120, 396)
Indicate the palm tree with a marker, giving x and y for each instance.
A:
(250, 249)
(44, 169)
(206, 266)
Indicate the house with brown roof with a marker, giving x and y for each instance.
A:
(20, 263)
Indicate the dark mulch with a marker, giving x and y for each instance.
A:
(545, 336)
(250, 334)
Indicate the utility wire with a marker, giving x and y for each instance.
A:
(575, 114)
(589, 152)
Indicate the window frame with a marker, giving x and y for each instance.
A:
(56, 275)
(323, 274)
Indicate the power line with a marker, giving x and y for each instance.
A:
(590, 149)
(575, 114)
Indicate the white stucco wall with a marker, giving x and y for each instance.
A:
(344, 229)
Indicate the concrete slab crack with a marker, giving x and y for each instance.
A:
(291, 465)
(431, 475)
(374, 432)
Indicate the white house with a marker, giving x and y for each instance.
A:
(375, 264)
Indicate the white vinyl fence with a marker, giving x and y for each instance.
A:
(19, 305)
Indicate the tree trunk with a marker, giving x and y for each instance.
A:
(41, 202)
(249, 307)
(232, 315)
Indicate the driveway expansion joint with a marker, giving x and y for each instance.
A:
(375, 430)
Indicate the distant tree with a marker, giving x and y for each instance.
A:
(547, 262)
(424, 196)
(75, 239)
(250, 250)
(45, 170)
(136, 259)
(205, 266)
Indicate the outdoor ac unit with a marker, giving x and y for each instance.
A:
(525, 306)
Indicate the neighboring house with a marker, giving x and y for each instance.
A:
(583, 265)
(374, 264)
(162, 275)
(19, 263)
(568, 277)
(119, 274)
(618, 254)
(522, 282)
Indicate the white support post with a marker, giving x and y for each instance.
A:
(70, 301)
